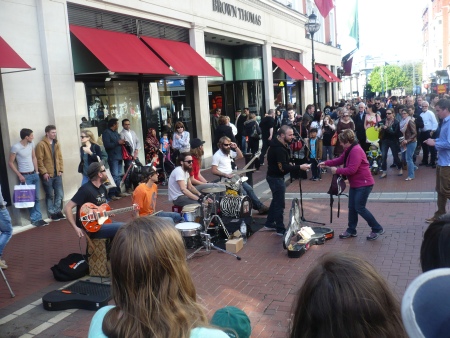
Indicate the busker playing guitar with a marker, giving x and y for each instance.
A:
(91, 192)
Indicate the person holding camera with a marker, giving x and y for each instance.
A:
(389, 132)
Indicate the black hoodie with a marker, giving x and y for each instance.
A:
(278, 158)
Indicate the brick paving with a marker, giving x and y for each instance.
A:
(264, 283)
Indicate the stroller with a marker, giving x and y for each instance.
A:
(163, 162)
(374, 153)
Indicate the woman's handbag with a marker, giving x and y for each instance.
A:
(334, 138)
(125, 154)
(81, 167)
(24, 195)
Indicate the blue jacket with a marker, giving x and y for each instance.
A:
(111, 143)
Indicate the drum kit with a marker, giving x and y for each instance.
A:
(220, 200)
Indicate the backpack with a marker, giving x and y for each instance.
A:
(72, 267)
(419, 122)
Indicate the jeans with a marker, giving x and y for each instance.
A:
(115, 168)
(243, 145)
(108, 230)
(35, 212)
(127, 164)
(393, 145)
(265, 146)
(276, 209)
(183, 200)
(84, 180)
(357, 200)
(54, 194)
(249, 191)
(6, 229)
(174, 217)
(408, 157)
(426, 149)
(327, 153)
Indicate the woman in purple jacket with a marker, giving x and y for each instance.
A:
(356, 168)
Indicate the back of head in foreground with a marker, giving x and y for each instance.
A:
(435, 248)
(344, 296)
(151, 284)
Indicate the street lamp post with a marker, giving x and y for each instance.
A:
(312, 26)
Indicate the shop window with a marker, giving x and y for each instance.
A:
(217, 64)
(113, 99)
(248, 69)
(228, 63)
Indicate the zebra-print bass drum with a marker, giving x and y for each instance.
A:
(236, 206)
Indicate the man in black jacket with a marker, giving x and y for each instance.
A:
(390, 131)
(360, 131)
(278, 158)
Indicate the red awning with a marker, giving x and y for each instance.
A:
(288, 69)
(9, 58)
(120, 52)
(301, 69)
(329, 73)
(320, 71)
(183, 59)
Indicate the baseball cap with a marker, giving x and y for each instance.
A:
(94, 168)
(196, 142)
(232, 321)
(425, 307)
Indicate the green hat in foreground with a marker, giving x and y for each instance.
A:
(232, 320)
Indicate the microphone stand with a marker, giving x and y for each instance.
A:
(302, 217)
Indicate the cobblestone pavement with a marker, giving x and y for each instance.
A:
(264, 283)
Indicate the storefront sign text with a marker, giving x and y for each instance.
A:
(236, 12)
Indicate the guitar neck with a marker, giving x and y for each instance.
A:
(252, 160)
(120, 211)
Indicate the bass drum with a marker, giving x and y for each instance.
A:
(236, 206)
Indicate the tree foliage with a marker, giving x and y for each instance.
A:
(389, 77)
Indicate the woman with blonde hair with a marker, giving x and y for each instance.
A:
(90, 151)
(151, 286)
(344, 296)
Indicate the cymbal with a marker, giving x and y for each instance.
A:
(213, 190)
(242, 171)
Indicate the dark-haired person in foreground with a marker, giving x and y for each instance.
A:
(278, 159)
(153, 291)
(442, 145)
(344, 296)
(356, 169)
(435, 249)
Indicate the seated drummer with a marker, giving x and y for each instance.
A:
(221, 166)
(180, 189)
(92, 192)
(145, 196)
(198, 181)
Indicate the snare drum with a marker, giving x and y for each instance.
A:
(236, 206)
(191, 213)
(189, 229)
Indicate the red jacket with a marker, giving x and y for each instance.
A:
(356, 169)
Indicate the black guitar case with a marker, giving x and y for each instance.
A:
(80, 295)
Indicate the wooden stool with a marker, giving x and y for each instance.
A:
(98, 257)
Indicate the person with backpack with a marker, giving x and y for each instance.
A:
(356, 169)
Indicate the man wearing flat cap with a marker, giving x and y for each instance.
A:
(91, 192)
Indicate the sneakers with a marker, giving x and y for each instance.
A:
(393, 165)
(40, 223)
(55, 217)
(280, 233)
(400, 172)
(123, 194)
(346, 234)
(430, 220)
(263, 210)
(383, 175)
(115, 198)
(3, 265)
(61, 215)
(374, 235)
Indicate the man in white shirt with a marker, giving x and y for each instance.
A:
(180, 189)
(221, 166)
(130, 136)
(429, 126)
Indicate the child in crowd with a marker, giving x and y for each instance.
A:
(164, 141)
(314, 154)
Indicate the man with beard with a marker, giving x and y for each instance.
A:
(92, 192)
(181, 191)
(278, 158)
(221, 166)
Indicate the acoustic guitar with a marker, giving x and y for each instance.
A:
(93, 217)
